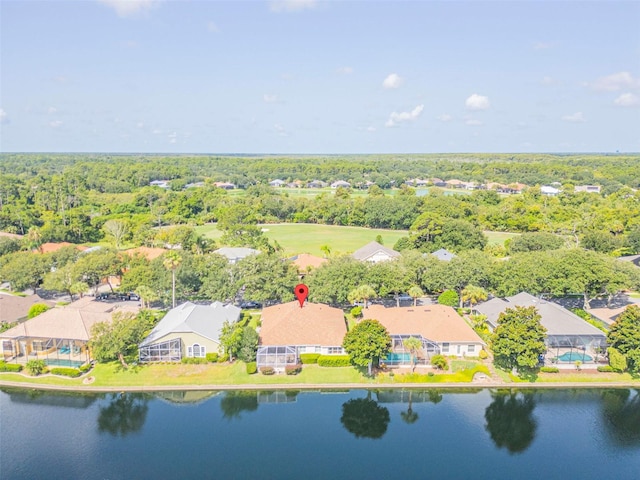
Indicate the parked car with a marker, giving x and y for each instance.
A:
(250, 304)
(103, 296)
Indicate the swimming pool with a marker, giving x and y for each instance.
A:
(574, 356)
(63, 363)
(394, 358)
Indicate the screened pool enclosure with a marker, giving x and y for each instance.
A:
(277, 357)
(571, 348)
(169, 351)
(399, 355)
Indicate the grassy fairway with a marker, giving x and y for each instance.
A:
(308, 238)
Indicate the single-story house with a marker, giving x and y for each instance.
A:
(587, 188)
(160, 183)
(549, 190)
(189, 330)
(340, 183)
(235, 254)
(635, 259)
(439, 327)
(225, 185)
(305, 262)
(150, 253)
(59, 336)
(15, 307)
(288, 330)
(317, 184)
(50, 247)
(569, 337)
(277, 183)
(374, 252)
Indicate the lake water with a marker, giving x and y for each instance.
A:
(357, 434)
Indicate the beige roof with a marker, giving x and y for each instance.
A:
(14, 307)
(149, 253)
(313, 324)
(50, 247)
(305, 261)
(73, 321)
(439, 323)
(10, 235)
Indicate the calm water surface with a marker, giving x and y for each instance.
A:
(479, 434)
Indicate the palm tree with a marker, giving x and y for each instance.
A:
(409, 416)
(473, 294)
(413, 345)
(146, 294)
(326, 250)
(171, 262)
(363, 292)
(415, 291)
(34, 239)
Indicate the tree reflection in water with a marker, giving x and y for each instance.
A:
(364, 418)
(125, 414)
(621, 411)
(235, 402)
(510, 422)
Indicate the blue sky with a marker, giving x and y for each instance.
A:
(309, 76)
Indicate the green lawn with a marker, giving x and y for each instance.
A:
(498, 238)
(308, 238)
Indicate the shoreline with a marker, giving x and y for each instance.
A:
(319, 386)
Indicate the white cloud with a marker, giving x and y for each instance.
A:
(345, 70)
(577, 117)
(472, 122)
(51, 110)
(392, 81)
(627, 100)
(270, 98)
(445, 117)
(396, 117)
(371, 129)
(477, 102)
(55, 123)
(156, 131)
(4, 118)
(173, 137)
(280, 130)
(615, 82)
(548, 81)
(212, 27)
(129, 8)
(140, 124)
(292, 5)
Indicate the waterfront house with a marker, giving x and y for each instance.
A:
(439, 327)
(569, 337)
(189, 330)
(288, 330)
(59, 336)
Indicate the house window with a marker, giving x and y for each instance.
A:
(445, 348)
(334, 350)
(471, 349)
(7, 345)
(197, 351)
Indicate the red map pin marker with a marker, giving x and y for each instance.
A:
(301, 291)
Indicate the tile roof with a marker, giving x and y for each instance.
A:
(439, 323)
(54, 247)
(204, 320)
(305, 261)
(149, 253)
(73, 321)
(14, 307)
(373, 248)
(313, 324)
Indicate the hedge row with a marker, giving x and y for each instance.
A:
(65, 371)
(9, 367)
(334, 360)
(308, 358)
(549, 369)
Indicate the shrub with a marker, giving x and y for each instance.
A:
(267, 370)
(483, 355)
(440, 362)
(449, 297)
(212, 357)
(309, 358)
(85, 368)
(36, 367)
(293, 369)
(606, 368)
(36, 309)
(223, 358)
(549, 369)
(65, 371)
(334, 360)
(193, 360)
(356, 311)
(9, 367)
(430, 374)
(617, 360)
(252, 367)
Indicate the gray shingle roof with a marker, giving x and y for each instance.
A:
(555, 318)
(443, 254)
(370, 249)
(204, 320)
(235, 254)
